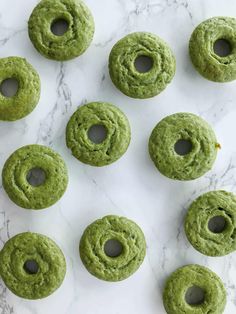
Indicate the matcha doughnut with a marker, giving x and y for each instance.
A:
(22, 164)
(191, 131)
(208, 62)
(125, 74)
(114, 267)
(28, 92)
(32, 266)
(212, 296)
(210, 224)
(116, 128)
(76, 39)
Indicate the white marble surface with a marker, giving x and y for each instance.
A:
(131, 186)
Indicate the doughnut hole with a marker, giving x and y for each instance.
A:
(217, 224)
(31, 267)
(97, 133)
(183, 147)
(143, 64)
(59, 27)
(222, 47)
(36, 177)
(9, 87)
(194, 296)
(113, 248)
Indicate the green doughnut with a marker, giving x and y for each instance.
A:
(127, 78)
(189, 276)
(93, 254)
(201, 48)
(17, 168)
(74, 41)
(202, 210)
(28, 93)
(44, 253)
(117, 137)
(183, 127)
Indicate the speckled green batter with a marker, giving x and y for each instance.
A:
(201, 49)
(27, 96)
(127, 78)
(40, 249)
(183, 126)
(112, 268)
(205, 207)
(117, 138)
(17, 167)
(194, 275)
(74, 41)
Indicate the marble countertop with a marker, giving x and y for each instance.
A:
(131, 186)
